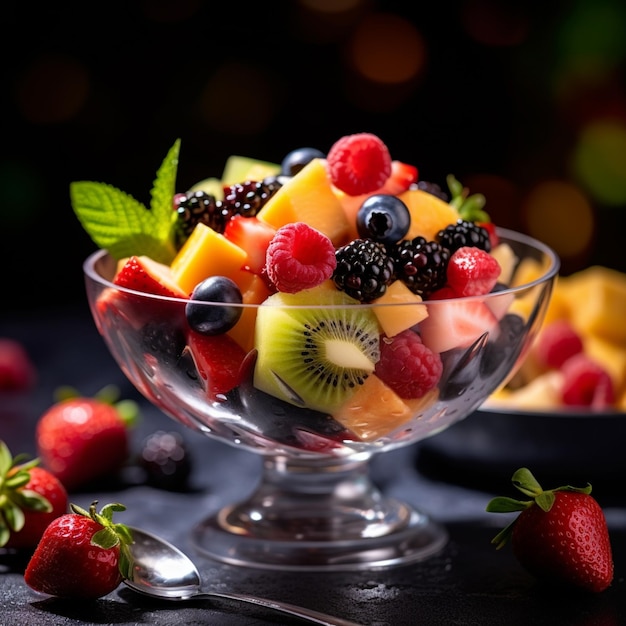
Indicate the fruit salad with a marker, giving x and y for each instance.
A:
(334, 298)
(578, 362)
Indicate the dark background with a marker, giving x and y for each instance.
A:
(501, 98)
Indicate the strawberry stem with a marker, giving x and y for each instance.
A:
(524, 481)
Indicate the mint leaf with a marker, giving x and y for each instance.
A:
(123, 226)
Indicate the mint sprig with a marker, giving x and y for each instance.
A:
(123, 226)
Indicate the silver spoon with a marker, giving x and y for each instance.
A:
(161, 570)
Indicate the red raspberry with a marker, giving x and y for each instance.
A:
(359, 164)
(472, 271)
(407, 366)
(299, 257)
(17, 372)
(586, 384)
(557, 342)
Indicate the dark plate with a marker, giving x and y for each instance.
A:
(488, 446)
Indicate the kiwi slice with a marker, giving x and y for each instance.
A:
(315, 347)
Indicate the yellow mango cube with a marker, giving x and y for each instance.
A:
(208, 253)
(308, 197)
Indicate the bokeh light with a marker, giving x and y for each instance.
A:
(494, 23)
(387, 48)
(599, 161)
(53, 89)
(239, 99)
(559, 213)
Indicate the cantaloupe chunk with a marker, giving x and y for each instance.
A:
(208, 253)
(308, 197)
(243, 331)
(374, 410)
(395, 319)
(429, 214)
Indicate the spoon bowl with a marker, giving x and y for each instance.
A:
(161, 570)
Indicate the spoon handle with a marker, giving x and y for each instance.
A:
(315, 617)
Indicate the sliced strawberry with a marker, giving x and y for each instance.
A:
(401, 178)
(219, 360)
(456, 324)
(141, 273)
(251, 235)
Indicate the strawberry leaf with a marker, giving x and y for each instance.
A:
(105, 538)
(14, 517)
(122, 225)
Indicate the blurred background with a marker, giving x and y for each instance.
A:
(523, 102)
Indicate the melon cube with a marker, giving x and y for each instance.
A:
(243, 331)
(308, 197)
(373, 410)
(208, 253)
(395, 319)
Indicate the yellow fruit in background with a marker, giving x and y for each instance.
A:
(208, 253)
(597, 300)
(429, 214)
(308, 197)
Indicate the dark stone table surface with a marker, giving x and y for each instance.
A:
(467, 583)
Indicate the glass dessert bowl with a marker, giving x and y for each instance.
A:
(315, 506)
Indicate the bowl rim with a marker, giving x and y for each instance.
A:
(89, 270)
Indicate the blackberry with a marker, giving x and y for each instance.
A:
(245, 198)
(200, 207)
(421, 265)
(432, 188)
(363, 270)
(248, 198)
(464, 233)
(166, 460)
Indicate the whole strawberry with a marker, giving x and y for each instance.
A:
(30, 498)
(82, 554)
(82, 439)
(560, 536)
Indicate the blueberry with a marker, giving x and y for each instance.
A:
(383, 218)
(297, 159)
(215, 319)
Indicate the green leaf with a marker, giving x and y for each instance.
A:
(14, 517)
(504, 504)
(524, 480)
(6, 460)
(106, 538)
(123, 226)
(32, 501)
